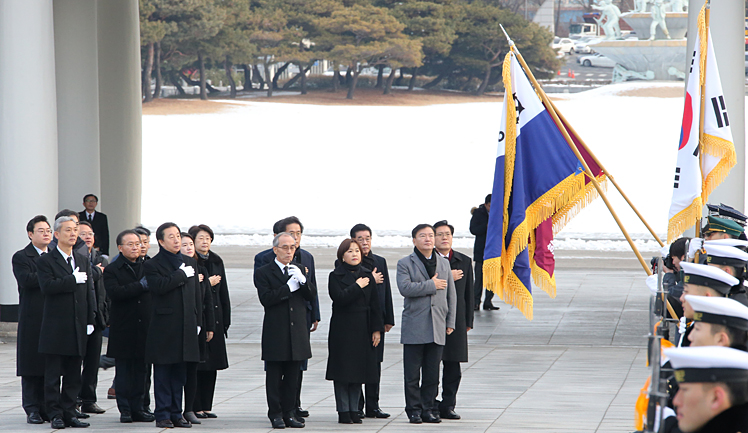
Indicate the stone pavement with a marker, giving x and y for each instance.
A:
(577, 367)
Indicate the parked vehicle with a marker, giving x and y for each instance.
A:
(579, 30)
(596, 59)
(584, 45)
(563, 45)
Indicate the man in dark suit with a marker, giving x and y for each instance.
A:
(479, 228)
(90, 374)
(283, 287)
(69, 316)
(456, 348)
(292, 225)
(98, 221)
(29, 362)
(378, 265)
(175, 324)
(128, 328)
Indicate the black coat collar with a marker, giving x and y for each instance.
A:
(734, 419)
(30, 250)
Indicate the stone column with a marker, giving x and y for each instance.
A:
(28, 131)
(78, 99)
(120, 113)
(728, 26)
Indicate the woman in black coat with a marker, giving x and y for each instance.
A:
(206, 332)
(217, 357)
(355, 330)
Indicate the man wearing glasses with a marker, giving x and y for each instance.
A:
(425, 280)
(98, 222)
(128, 326)
(29, 362)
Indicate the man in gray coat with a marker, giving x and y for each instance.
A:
(425, 280)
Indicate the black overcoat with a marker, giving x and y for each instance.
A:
(172, 333)
(207, 315)
(456, 348)
(68, 307)
(355, 316)
(29, 362)
(131, 309)
(479, 228)
(102, 306)
(285, 334)
(217, 357)
(384, 291)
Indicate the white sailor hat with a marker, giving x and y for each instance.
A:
(737, 243)
(720, 311)
(708, 276)
(724, 255)
(708, 364)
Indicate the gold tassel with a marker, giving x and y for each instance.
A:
(683, 220)
(725, 151)
(577, 204)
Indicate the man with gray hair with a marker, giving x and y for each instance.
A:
(69, 314)
(283, 288)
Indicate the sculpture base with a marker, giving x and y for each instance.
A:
(666, 58)
(676, 22)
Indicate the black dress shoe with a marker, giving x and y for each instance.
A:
(143, 416)
(81, 415)
(190, 416)
(302, 413)
(278, 423)
(415, 419)
(449, 414)
(430, 418)
(355, 417)
(344, 418)
(91, 408)
(377, 413)
(201, 415)
(57, 423)
(361, 413)
(34, 418)
(164, 423)
(210, 415)
(148, 411)
(290, 421)
(490, 307)
(125, 417)
(75, 422)
(181, 422)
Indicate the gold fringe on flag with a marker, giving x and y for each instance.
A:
(725, 151)
(684, 219)
(515, 293)
(579, 202)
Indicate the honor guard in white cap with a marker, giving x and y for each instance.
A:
(713, 392)
(737, 243)
(701, 280)
(733, 261)
(718, 322)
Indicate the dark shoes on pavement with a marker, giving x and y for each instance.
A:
(73, 422)
(91, 408)
(415, 419)
(278, 423)
(164, 423)
(81, 415)
(290, 420)
(490, 306)
(143, 416)
(57, 423)
(377, 413)
(181, 422)
(449, 414)
(344, 418)
(125, 417)
(430, 418)
(301, 413)
(191, 417)
(34, 418)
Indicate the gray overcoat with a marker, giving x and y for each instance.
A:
(427, 312)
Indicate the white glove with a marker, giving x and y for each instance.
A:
(694, 246)
(665, 251)
(682, 326)
(293, 284)
(198, 330)
(652, 284)
(188, 270)
(296, 274)
(80, 277)
(89, 329)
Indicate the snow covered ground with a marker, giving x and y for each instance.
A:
(391, 167)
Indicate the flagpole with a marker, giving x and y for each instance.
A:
(702, 99)
(581, 160)
(607, 173)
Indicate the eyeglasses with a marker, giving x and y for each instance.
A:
(132, 244)
(90, 200)
(288, 248)
(44, 231)
(364, 239)
(444, 235)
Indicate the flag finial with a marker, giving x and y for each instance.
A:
(511, 42)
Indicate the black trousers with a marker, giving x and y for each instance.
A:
(90, 375)
(206, 388)
(298, 388)
(190, 387)
(370, 396)
(32, 394)
(421, 370)
(61, 403)
(347, 396)
(281, 384)
(168, 384)
(478, 286)
(129, 380)
(451, 377)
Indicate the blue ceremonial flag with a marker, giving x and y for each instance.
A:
(536, 176)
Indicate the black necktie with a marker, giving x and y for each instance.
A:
(90, 218)
(285, 270)
(70, 262)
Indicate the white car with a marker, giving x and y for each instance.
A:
(564, 45)
(584, 45)
(597, 59)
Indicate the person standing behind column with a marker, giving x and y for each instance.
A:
(29, 362)
(283, 288)
(219, 288)
(456, 348)
(425, 280)
(479, 228)
(175, 324)
(98, 222)
(145, 245)
(69, 310)
(370, 398)
(90, 374)
(128, 328)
